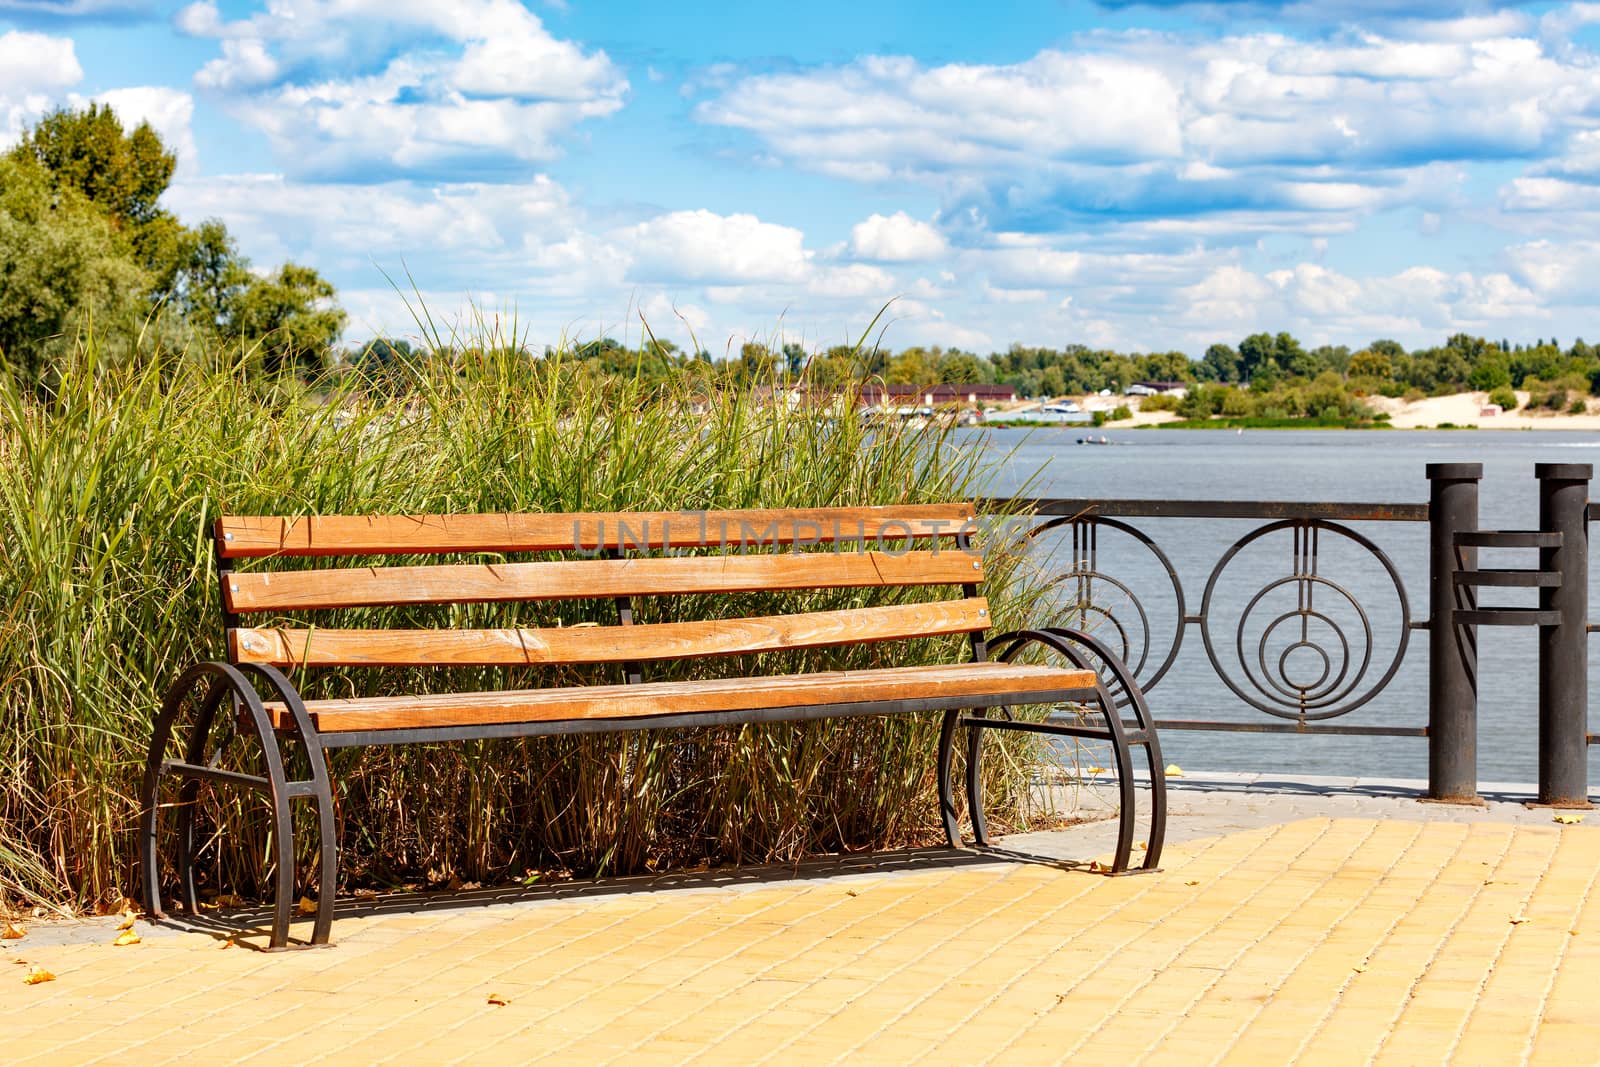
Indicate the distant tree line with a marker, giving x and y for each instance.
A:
(1265, 375)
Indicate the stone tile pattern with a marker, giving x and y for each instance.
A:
(1328, 940)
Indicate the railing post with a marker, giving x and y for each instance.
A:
(1452, 649)
(1564, 647)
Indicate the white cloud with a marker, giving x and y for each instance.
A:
(1561, 271)
(201, 19)
(896, 238)
(1229, 299)
(879, 109)
(352, 87)
(466, 232)
(168, 111)
(703, 246)
(1321, 304)
(1138, 124)
(245, 64)
(854, 281)
(34, 69)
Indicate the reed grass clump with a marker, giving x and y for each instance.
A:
(108, 487)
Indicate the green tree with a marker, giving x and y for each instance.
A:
(1255, 351)
(62, 267)
(961, 368)
(794, 358)
(84, 236)
(291, 315)
(1369, 364)
(913, 366)
(1221, 364)
(1164, 367)
(125, 173)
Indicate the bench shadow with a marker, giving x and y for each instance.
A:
(250, 927)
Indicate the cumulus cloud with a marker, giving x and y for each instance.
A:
(468, 233)
(702, 246)
(1139, 125)
(34, 69)
(1321, 303)
(896, 238)
(1559, 271)
(347, 89)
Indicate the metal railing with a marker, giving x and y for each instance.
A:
(1308, 648)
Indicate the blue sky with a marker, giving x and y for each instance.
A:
(1139, 175)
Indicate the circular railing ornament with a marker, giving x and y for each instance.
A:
(1122, 622)
(1314, 658)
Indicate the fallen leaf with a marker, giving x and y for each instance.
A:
(37, 976)
(1518, 920)
(1142, 846)
(851, 893)
(366, 894)
(127, 937)
(1360, 968)
(229, 900)
(230, 943)
(1097, 866)
(1567, 818)
(1192, 881)
(127, 921)
(121, 904)
(1097, 770)
(1174, 771)
(498, 1000)
(308, 906)
(12, 933)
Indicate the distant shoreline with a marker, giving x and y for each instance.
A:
(1458, 411)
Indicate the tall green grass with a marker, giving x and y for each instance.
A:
(107, 491)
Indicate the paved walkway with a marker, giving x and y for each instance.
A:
(1325, 921)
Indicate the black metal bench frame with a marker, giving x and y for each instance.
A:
(239, 688)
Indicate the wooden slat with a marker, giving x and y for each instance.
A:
(568, 579)
(676, 698)
(343, 535)
(604, 644)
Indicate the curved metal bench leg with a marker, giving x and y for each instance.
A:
(1112, 663)
(189, 792)
(232, 682)
(149, 793)
(321, 790)
(947, 799)
(1067, 642)
(1128, 802)
(980, 825)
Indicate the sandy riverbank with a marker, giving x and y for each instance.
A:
(1460, 409)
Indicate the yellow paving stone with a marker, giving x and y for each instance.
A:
(1330, 940)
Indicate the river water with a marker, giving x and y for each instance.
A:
(1364, 467)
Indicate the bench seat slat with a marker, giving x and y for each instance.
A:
(944, 681)
(571, 579)
(344, 535)
(604, 644)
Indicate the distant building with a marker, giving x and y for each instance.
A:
(878, 395)
(1179, 389)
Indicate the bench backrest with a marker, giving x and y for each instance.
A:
(613, 557)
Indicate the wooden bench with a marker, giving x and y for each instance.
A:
(617, 560)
